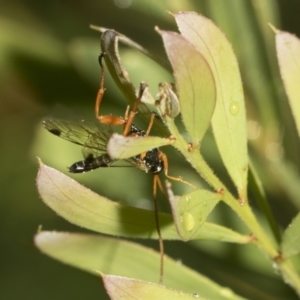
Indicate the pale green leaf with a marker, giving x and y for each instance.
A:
(255, 58)
(229, 119)
(288, 52)
(291, 239)
(94, 254)
(191, 210)
(121, 288)
(194, 82)
(82, 207)
(122, 147)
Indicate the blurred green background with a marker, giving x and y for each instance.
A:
(48, 67)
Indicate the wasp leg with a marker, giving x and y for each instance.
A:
(150, 124)
(164, 158)
(129, 117)
(107, 119)
(157, 183)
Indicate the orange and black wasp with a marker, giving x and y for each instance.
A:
(93, 137)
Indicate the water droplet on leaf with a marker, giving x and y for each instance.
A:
(188, 221)
(234, 108)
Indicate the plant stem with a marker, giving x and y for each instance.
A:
(244, 211)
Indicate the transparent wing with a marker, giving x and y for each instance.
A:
(93, 137)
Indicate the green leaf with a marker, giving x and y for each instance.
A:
(14, 40)
(133, 45)
(291, 239)
(191, 210)
(110, 256)
(121, 288)
(109, 45)
(85, 208)
(122, 147)
(288, 52)
(194, 82)
(229, 119)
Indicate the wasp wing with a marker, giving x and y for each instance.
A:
(93, 137)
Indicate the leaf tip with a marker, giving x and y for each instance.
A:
(94, 27)
(158, 30)
(39, 229)
(276, 31)
(41, 164)
(170, 13)
(100, 273)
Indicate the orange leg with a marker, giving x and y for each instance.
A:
(107, 119)
(129, 117)
(114, 120)
(164, 158)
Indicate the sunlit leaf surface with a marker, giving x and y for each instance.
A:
(121, 147)
(288, 52)
(194, 81)
(229, 119)
(120, 288)
(191, 210)
(111, 256)
(83, 207)
(291, 239)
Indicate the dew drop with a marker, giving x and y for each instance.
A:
(234, 108)
(179, 262)
(275, 268)
(188, 221)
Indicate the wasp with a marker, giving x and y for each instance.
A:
(93, 137)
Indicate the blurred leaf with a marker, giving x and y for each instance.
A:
(287, 177)
(229, 119)
(126, 288)
(257, 189)
(291, 239)
(85, 208)
(122, 147)
(110, 256)
(84, 53)
(158, 8)
(194, 82)
(267, 12)
(288, 52)
(191, 210)
(20, 39)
